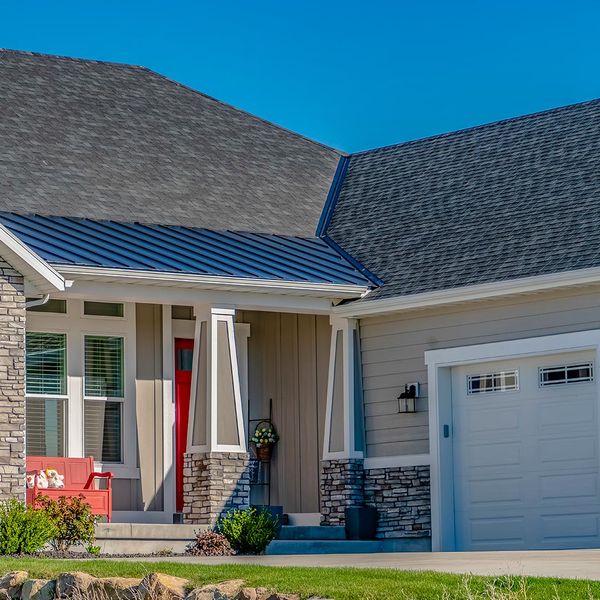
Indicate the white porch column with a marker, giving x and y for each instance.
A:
(216, 476)
(217, 416)
(342, 474)
(344, 427)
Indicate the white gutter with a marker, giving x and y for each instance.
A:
(245, 284)
(35, 270)
(525, 285)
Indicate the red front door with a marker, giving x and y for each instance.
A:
(184, 351)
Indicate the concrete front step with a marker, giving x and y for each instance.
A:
(278, 547)
(304, 519)
(311, 532)
(144, 538)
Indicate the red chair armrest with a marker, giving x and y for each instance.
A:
(106, 475)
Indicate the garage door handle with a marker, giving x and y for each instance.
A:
(446, 431)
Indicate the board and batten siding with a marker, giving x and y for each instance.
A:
(288, 362)
(146, 492)
(393, 347)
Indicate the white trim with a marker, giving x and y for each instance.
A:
(22, 258)
(347, 327)
(150, 292)
(468, 293)
(439, 372)
(168, 398)
(76, 328)
(246, 284)
(408, 460)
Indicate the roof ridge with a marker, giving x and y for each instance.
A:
(436, 136)
(178, 84)
(243, 111)
(71, 58)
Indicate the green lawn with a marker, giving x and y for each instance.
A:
(339, 584)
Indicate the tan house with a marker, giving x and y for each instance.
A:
(420, 323)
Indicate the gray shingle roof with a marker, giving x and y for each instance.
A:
(100, 140)
(511, 199)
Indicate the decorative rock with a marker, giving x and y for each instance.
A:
(73, 583)
(158, 586)
(115, 588)
(10, 584)
(248, 594)
(38, 589)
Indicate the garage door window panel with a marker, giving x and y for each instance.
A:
(566, 374)
(501, 381)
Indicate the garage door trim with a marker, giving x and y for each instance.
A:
(439, 370)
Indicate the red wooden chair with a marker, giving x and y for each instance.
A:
(80, 478)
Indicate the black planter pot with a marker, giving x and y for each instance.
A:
(361, 522)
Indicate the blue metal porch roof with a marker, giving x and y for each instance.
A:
(174, 249)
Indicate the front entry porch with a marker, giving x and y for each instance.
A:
(166, 398)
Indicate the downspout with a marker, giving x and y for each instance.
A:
(37, 301)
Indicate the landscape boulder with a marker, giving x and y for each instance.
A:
(157, 586)
(38, 589)
(11, 583)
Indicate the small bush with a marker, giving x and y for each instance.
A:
(23, 530)
(209, 543)
(73, 518)
(249, 531)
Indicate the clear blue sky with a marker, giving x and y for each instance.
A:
(352, 74)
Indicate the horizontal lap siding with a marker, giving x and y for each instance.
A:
(393, 350)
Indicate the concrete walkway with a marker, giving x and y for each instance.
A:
(574, 564)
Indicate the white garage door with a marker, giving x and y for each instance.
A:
(525, 444)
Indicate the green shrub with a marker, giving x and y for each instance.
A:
(73, 518)
(23, 530)
(249, 531)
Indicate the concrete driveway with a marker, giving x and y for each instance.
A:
(574, 564)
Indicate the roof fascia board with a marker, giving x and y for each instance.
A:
(484, 291)
(329, 290)
(35, 269)
(149, 292)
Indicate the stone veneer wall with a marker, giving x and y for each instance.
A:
(213, 483)
(402, 495)
(342, 485)
(12, 383)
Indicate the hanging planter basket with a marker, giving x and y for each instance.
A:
(264, 438)
(264, 453)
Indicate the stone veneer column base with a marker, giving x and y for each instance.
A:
(341, 486)
(402, 496)
(214, 483)
(12, 384)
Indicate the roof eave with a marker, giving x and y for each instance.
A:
(212, 282)
(471, 293)
(36, 271)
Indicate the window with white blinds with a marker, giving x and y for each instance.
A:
(46, 363)
(102, 430)
(103, 397)
(45, 426)
(46, 389)
(103, 366)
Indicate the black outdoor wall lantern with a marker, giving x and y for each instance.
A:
(407, 400)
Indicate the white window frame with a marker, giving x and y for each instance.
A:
(439, 376)
(76, 326)
(65, 396)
